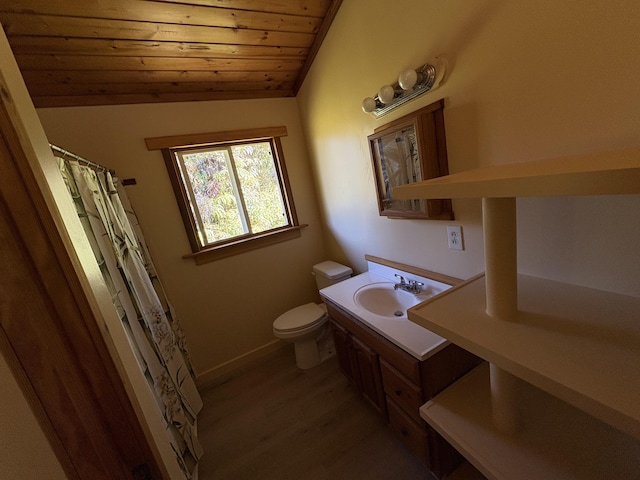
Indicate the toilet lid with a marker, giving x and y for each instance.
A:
(299, 317)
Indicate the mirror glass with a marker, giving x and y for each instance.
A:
(397, 154)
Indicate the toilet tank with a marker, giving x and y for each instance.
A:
(327, 273)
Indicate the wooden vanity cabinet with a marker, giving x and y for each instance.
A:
(397, 384)
(368, 368)
(406, 394)
(360, 365)
(413, 435)
(342, 341)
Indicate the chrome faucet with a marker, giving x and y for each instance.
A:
(402, 283)
(412, 286)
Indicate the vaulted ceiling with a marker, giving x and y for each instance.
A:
(102, 52)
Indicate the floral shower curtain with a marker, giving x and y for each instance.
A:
(155, 335)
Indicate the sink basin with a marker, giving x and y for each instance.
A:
(381, 299)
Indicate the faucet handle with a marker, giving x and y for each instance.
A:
(402, 282)
(415, 285)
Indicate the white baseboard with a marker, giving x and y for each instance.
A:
(219, 373)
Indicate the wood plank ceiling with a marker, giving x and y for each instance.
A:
(103, 52)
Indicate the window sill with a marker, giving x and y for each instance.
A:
(211, 254)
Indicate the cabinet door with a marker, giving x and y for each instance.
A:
(368, 372)
(343, 351)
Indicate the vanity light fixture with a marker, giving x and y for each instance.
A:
(410, 84)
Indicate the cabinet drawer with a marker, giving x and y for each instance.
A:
(413, 435)
(406, 394)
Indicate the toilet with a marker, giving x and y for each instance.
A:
(307, 326)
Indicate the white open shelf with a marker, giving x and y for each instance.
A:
(576, 345)
(593, 174)
(579, 344)
(555, 440)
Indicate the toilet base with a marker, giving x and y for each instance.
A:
(311, 353)
(326, 347)
(307, 354)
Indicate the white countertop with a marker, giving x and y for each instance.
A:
(412, 338)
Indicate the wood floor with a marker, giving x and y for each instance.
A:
(274, 421)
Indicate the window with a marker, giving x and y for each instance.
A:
(232, 190)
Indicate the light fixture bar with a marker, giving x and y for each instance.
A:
(410, 85)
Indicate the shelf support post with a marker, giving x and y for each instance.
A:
(500, 256)
(505, 399)
(501, 277)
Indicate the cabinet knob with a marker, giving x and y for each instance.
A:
(404, 432)
(398, 392)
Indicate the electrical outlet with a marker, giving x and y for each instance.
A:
(454, 237)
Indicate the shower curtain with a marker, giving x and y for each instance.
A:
(154, 333)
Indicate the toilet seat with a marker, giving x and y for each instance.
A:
(299, 318)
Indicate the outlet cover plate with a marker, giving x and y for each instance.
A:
(454, 237)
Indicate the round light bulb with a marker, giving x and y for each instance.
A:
(369, 105)
(386, 94)
(408, 79)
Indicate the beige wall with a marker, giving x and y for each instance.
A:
(227, 307)
(527, 80)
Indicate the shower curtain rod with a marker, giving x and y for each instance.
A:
(66, 153)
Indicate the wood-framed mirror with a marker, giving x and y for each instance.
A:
(407, 150)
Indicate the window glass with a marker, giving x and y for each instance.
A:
(233, 190)
(260, 186)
